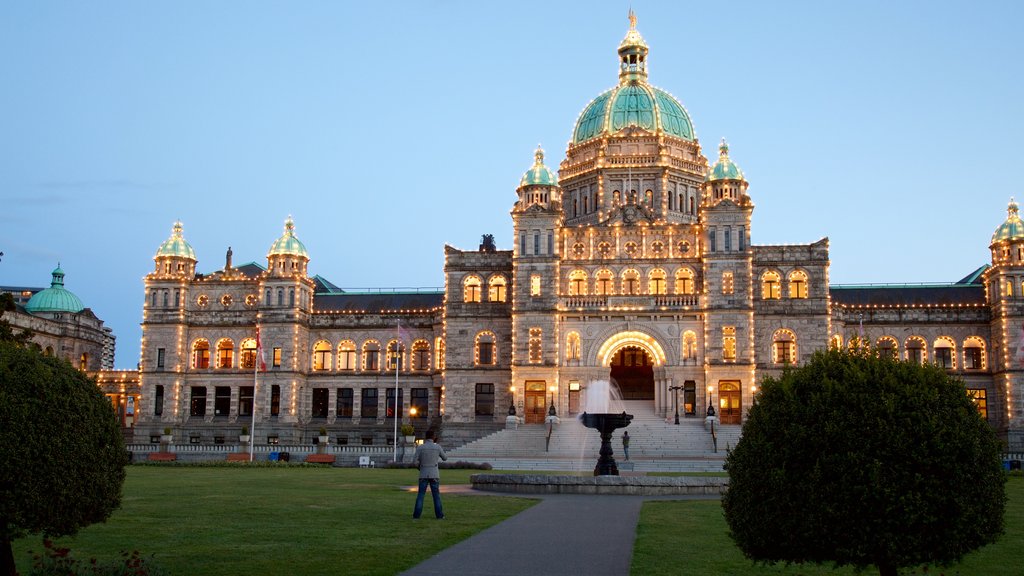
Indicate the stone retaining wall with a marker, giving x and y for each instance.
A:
(620, 485)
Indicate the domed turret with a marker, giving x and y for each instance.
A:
(1012, 228)
(176, 246)
(288, 244)
(634, 102)
(538, 186)
(725, 180)
(538, 174)
(55, 298)
(725, 168)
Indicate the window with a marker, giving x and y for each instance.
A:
(160, 354)
(689, 347)
(418, 402)
(390, 403)
(201, 354)
(770, 287)
(630, 282)
(535, 285)
(690, 398)
(974, 353)
(945, 353)
(248, 357)
(322, 356)
(371, 356)
(727, 287)
(276, 360)
(275, 400)
(572, 346)
(396, 351)
(729, 343)
(915, 350)
(158, 400)
(742, 237)
(439, 346)
(980, 398)
(484, 401)
(605, 283)
(319, 405)
(522, 244)
(222, 401)
(368, 408)
(887, 348)
(471, 289)
(347, 355)
(535, 350)
(577, 283)
(343, 409)
(225, 353)
(485, 349)
(421, 355)
(712, 233)
(536, 243)
(656, 283)
(727, 236)
(197, 401)
(245, 394)
(684, 281)
(798, 284)
(784, 347)
(497, 289)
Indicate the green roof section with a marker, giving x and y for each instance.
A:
(176, 246)
(538, 174)
(288, 244)
(724, 168)
(1013, 228)
(55, 298)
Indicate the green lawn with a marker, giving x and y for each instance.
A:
(690, 537)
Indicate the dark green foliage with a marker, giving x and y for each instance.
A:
(62, 455)
(862, 461)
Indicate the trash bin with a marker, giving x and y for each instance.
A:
(1014, 464)
(284, 457)
(1006, 465)
(272, 457)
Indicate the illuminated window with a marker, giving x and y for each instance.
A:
(974, 353)
(770, 287)
(630, 282)
(784, 347)
(248, 355)
(322, 355)
(915, 350)
(396, 351)
(277, 357)
(484, 353)
(572, 346)
(497, 289)
(347, 355)
(421, 355)
(371, 355)
(225, 353)
(535, 285)
(798, 284)
(1009, 289)
(535, 349)
(727, 287)
(419, 402)
(440, 347)
(605, 283)
(577, 283)
(201, 354)
(471, 288)
(83, 361)
(729, 343)
(656, 282)
(836, 342)
(945, 352)
(980, 398)
(689, 347)
(887, 348)
(684, 281)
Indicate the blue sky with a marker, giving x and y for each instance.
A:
(388, 129)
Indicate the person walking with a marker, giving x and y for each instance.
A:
(625, 444)
(427, 456)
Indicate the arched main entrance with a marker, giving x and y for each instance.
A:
(633, 371)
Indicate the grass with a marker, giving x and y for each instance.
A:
(688, 536)
(280, 520)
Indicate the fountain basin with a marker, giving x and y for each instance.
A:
(605, 424)
(610, 485)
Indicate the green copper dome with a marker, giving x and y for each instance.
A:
(634, 102)
(538, 174)
(288, 244)
(724, 169)
(176, 246)
(1013, 228)
(55, 298)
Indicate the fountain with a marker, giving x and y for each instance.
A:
(598, 399)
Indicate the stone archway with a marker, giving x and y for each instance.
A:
(631, 358)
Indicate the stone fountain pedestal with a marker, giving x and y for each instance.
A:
(605, 424)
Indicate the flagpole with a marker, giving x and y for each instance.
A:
(398, 360)
(255, 386)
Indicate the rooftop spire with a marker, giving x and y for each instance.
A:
(632, 54)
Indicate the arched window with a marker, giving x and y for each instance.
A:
(484, 353)
(83, 361)
(604, 283)
(798, 284)
(371, 355)
(689, 347)
(656, 282)
(974, 353)
(578, 283)
(536, 355)
(684, 281)
(784, 347)
(497, 289)
(945, 352)
(200, 354)
(247, 360)
(440, 347)
(770, 287)
(836, 342)
(916, 351)
(225, 353)
(630, 282)
(396, 351)
(421, 355)
(471, 288)
(572, 346)
(888, 348)
(347, 355)
(49, 352)
(322, 355)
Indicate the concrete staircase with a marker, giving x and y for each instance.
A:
(655, 445)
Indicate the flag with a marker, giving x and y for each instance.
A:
(261, 363)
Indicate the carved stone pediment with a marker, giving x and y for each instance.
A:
(630, 215)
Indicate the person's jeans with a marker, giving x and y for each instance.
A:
(435, 492)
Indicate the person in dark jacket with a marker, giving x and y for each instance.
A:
(427, 457)
(625, 444)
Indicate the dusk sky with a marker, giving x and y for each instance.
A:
(387, 129)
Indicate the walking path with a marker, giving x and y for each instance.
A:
(563, 534)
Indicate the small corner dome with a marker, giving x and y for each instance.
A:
(538, 174)
(288, 244)
(724, 168)
(176, 246)
(55, 298)
(1012, 228)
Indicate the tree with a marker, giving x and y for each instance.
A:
(62, 455)
(859, 460)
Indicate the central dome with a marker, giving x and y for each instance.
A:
(634, 102)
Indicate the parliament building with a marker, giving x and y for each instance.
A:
(635, 262)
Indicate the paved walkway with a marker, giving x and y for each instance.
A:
(562, 535)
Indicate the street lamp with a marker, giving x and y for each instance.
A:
(551, 408)
(675, 400)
